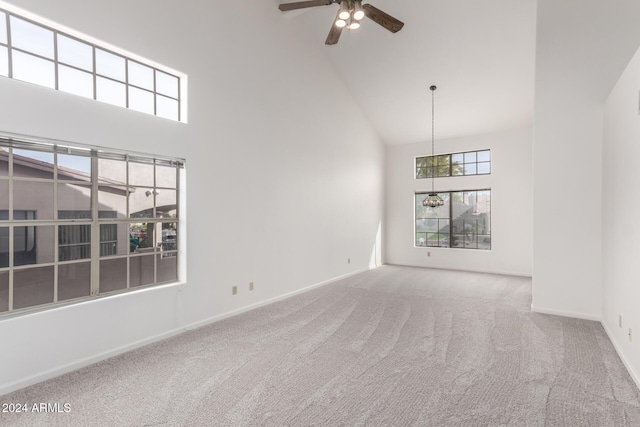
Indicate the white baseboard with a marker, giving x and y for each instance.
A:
(564, 313)
(241, 310)
(470, 270)
(498, 272)
(79, 364)
(634, 375)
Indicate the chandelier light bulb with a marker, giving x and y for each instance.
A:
(341, 23)
(354, 25)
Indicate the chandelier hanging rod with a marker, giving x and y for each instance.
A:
(433, 200)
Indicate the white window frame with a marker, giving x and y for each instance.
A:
(450, 236)
(7, 11)
(422, 164)
(158, 253)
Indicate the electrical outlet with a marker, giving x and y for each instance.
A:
(348, 260)
(234, 290)
(428, 253)
(250, 286)
(620, 320)
(630, 335)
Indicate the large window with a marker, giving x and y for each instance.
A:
(78, 222)
(39, 54)
(456, 164)
(463, 222)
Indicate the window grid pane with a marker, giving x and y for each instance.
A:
(74, 242)
(74, 168)
(166, 176)
(25, 162)
(25, 201)
(75, 81)
(75, 53)
(74, 281)
(470, 157)
(484, 156)
(31, 37)
(141, 100)
(4, 202)
(167, 267)
(4, 247)
(33, 287)
(35, 58)
(33, 245)
(111, 92)
(3, 27)
(484, 168)
(4, 61)
(4, 291)
(167, 107)
(140, 75)
(470, 169)
(166, 84)
(32, 69)
(141, 270)
(110, 65)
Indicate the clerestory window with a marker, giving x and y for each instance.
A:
(40, 54)
(455, 164)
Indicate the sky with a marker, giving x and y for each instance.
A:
(78, 163)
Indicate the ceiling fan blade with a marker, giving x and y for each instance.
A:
(382, 18)
(334, 33)
(303, 4)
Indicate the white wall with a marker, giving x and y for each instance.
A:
(582, 48)
(284, 173)
(510, 184)
(621, 228)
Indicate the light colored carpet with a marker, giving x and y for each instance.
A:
(396, 346)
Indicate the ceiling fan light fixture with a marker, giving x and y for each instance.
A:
(354, 25)
(358, 12)
(348, 12)
(344, 10)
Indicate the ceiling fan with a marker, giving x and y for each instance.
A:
(349, 16)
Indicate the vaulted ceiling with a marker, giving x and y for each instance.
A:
(480, 54)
